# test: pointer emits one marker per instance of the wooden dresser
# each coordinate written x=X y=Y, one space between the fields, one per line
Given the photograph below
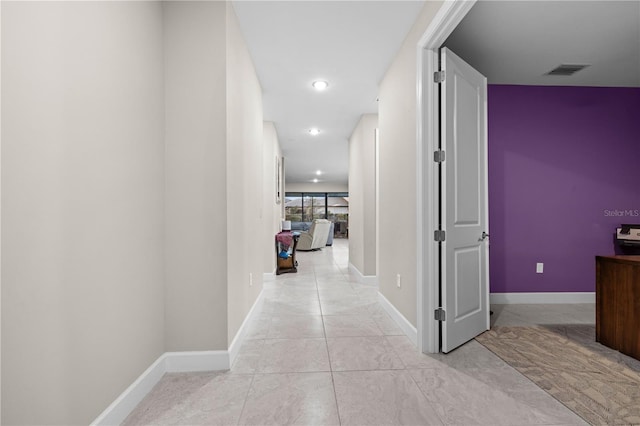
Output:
x=618 y=303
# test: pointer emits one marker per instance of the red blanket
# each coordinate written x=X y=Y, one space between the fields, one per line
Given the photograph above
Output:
x=285 y=238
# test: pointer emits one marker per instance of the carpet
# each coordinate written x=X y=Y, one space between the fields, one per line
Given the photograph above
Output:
x=597 y=383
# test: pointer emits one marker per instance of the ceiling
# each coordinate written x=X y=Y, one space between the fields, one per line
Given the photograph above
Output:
x=351 y=44
x=517 y=42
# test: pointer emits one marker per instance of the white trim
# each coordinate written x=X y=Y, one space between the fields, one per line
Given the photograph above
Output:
x=442 y=25
x=427 y=249
x=188 y=361
x=444 y=22
x=404 y=324
x=168 y=362
x=238 y=340
x=0 y=227
x=536 y=298
x=268 y=277
x=175 y=362
x=377 y=192
x=119 y=409
x=363 y=279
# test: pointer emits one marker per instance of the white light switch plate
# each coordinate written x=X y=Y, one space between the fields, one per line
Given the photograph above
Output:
x=539 y=268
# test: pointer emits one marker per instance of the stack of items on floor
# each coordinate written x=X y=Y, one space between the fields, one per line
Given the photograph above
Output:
x=286 y=242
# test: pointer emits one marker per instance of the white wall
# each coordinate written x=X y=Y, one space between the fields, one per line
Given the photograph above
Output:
x=272 y=211
x=132 y=176
x=0 y=215
x=214 y=179
x=362 y=198
x=244 y=178
x=315 y=187
x=397 y=162
x=82 y=205
x=132 y=183
x=196 y=179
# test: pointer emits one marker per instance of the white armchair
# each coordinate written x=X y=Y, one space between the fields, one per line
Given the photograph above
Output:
x=316 y=237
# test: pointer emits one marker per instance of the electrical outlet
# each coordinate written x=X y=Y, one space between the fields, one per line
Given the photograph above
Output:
x=399 y=280
x=539 y=268
x=250 y=278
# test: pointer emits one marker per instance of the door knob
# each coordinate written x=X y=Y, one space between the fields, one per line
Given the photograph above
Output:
x=484 y=236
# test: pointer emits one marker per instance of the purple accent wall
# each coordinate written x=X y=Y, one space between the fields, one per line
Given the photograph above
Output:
x=564 y=171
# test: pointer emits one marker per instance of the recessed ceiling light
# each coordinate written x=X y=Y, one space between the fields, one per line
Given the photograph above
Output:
x=314 y=131
x=320 y=85
x=315 y=181
x=319 y=172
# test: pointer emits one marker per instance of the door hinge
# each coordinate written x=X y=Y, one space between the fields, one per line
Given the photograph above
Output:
x=439 y=314
x=439 y=235
x=438 y=156
x=438 y=76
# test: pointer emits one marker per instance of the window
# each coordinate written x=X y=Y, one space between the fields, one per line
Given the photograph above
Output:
x=307 y=206
x=338 y=213
x=319 y=207
x=293 y=207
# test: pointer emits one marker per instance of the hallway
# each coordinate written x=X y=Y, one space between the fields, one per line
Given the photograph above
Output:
x=324 y=352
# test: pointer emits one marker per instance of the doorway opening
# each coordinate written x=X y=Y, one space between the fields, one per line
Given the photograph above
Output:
x=428 y=271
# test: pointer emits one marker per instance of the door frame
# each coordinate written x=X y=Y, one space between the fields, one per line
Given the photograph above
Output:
x=442 y=25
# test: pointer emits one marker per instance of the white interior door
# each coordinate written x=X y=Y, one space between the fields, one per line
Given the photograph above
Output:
x=464 y=252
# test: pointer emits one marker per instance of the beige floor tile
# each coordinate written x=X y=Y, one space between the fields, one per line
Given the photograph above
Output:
x=295 y=294
x=470 y=355
x=350 y=325
x=295 y=326
x=351 y=305
x=248 y=357
x=461 y=398
x=311 y=307
x=388 y=326
x=523 y=390
x=381 y=398
x=362 y=353
x=409 y=354
x=259 y=328
x=195 y=399
x=299 y=281
x=327 y=271
x=366 y=292
x=333 y=283
x=337 y=292
x=294 y=355
x=376 y=309
x=291 y=399
x=282 y=374
x=271 y=293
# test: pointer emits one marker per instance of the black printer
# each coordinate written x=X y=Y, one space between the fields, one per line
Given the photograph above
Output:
x=628 y=236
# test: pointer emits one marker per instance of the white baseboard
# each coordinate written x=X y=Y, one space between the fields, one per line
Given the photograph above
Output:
x=363 y=279
x=238 y=340
x=168 y=362
x=404 y=324
x=175 y=362
x=269 y=276
x=182 y=362
x=131 y=397
x=540 y=298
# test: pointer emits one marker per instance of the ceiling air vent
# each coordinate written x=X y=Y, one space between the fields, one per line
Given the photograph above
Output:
x=566 y=69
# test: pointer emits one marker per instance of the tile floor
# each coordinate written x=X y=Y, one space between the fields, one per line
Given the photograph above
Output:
x=324 y=352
